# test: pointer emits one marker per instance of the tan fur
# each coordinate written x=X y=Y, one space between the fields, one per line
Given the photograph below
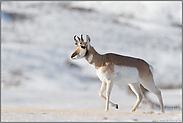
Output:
x=76 y=52
x=107 y=62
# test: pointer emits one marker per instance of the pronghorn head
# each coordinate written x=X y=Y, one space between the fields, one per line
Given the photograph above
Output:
x=82 y=47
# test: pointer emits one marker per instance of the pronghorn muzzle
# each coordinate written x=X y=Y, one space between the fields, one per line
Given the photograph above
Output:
x=74 y=54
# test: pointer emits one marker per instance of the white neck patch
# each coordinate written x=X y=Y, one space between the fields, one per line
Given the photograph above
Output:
x=90 y=58
x=88 y=46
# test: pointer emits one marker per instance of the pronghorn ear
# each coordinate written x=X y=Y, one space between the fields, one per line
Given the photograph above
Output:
x=87 y=42
x=87 y=38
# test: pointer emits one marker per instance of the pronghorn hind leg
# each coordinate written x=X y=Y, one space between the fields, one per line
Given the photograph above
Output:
x=150 y=85
x=136 y=89
x=102 y=89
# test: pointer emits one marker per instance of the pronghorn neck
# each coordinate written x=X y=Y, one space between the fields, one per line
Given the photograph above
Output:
x=94 y=58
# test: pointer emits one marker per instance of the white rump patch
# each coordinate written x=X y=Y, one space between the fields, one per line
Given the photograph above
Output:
x=90 y=58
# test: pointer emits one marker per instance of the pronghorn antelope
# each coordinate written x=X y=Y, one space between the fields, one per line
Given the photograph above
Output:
x=117 y=68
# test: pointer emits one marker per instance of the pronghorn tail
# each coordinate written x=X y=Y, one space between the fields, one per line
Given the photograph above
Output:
x=151 y=69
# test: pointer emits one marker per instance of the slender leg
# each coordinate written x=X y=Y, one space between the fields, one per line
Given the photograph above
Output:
x=108 y=92
x=136 y=89
x=158 y=94
x=102 y=89
x=149 y=84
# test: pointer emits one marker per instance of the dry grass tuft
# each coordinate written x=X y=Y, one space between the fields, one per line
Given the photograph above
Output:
x=104 y=118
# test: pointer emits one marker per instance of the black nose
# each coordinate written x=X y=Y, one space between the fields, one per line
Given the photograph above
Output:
x=73 y=55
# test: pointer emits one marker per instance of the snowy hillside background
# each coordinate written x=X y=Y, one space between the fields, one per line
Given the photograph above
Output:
x=37 y=40
x=38 y=74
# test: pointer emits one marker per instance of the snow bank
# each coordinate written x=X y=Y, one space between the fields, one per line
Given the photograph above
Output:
x=38 y=41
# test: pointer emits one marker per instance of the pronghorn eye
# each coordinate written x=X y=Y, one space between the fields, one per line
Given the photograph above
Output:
x=83 y=47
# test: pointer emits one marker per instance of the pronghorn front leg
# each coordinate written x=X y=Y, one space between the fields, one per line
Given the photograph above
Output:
x=108 y=92
x=102 y=89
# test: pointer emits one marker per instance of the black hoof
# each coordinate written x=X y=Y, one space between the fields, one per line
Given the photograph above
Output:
x=116 y=106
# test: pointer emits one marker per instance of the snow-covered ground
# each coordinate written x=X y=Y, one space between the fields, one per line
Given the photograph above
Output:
x=37 y=42
x=25 y=104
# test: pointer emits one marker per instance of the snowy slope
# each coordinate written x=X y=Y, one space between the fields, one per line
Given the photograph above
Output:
x=38 y=41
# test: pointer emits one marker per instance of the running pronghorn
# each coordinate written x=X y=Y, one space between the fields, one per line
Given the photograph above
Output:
x=117 y=68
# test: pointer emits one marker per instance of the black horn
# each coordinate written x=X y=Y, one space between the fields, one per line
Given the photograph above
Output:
x=79 y=39
x=75 y=39
x=82 y=38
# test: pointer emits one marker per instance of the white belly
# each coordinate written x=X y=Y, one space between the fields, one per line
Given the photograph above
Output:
x=123 y=75
x=126 y=75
